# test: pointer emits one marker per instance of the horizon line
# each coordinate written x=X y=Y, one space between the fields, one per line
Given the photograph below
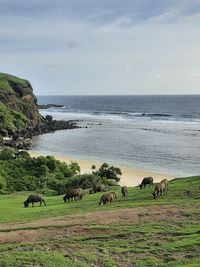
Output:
x=122 y=95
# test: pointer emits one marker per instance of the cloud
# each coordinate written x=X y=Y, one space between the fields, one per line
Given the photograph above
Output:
x=158 y=76
x=72 y=44
x=100 y=12
x=130 y=67
x=195 y=74
x=126 y=46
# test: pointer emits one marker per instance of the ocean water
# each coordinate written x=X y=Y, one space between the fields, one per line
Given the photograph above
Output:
x=158 y=133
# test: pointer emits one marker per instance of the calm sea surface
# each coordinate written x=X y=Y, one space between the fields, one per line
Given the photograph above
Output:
x=160 y=133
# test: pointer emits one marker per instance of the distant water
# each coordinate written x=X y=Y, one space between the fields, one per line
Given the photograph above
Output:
x=160 y=133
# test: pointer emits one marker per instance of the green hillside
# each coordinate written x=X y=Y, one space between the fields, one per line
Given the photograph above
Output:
x=7 y=80
x=18 y=109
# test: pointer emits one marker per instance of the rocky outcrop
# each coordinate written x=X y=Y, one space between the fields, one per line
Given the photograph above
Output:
x=19 y=115
x=18 y=103
x=47 y=106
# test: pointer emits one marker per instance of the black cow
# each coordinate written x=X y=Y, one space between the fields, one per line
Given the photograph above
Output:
x=146 y=181
x=33 y=199
x=73 y=194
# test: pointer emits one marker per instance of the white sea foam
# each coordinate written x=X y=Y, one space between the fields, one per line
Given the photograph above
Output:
x=65 y=114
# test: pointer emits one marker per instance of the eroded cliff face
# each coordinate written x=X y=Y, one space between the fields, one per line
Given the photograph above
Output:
x=18 y=105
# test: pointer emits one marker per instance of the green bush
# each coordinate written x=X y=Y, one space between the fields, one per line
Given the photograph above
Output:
x=7 y=153
x=86 y=181
x=3 y=184
x=109 y=172
x=20 y=172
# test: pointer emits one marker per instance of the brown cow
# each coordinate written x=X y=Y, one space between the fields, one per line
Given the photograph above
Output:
x=124 y=191
x=114 y=194
x=166 y=182
x=106 y=198
x=159 y=189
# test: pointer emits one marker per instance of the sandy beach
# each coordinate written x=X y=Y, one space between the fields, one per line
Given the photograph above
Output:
x=130 y=176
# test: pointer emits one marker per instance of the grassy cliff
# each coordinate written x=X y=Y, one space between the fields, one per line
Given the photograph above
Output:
x=18 y=104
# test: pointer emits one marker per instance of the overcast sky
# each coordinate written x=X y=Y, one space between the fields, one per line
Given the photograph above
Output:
x=102 y=46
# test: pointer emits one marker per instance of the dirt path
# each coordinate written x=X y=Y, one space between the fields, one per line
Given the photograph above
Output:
x=100 y=217
x=85 y=224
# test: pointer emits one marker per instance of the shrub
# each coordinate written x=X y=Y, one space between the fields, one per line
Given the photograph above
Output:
x=3 y=184
x=109 y=172
x=20 y=172
x=7 y=153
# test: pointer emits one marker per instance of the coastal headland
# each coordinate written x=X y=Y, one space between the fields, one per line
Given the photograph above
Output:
x=20 y=119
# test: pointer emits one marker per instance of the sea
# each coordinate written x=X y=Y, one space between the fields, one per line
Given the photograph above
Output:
x=157 y=133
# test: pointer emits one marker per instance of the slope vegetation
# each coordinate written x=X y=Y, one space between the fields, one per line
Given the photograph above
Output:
x=135 y=231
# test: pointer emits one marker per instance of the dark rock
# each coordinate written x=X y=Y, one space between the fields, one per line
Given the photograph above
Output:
x=46 y=106
x=15 y=136
x=3 y=132
x=49 y=118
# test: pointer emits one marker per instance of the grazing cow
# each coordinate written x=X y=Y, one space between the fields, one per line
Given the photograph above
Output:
x=166 y=182
x=33 y=199
x=159 y=189
x=124 y=191
x=73 y=194
x=106 y=198
x=114 y=196
x=97 y=188
x=146 y=181
x=79 y=193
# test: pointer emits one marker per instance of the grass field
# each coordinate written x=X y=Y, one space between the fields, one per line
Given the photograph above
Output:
x=135 y=231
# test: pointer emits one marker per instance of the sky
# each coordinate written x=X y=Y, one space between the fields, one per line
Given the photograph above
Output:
x=102 y=47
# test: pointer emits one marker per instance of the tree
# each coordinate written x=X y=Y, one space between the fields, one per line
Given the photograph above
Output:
x=93 y=168
x=75 y=167
x=22 y=154
x=7 y=154
x=109 y=172
x=51 y=163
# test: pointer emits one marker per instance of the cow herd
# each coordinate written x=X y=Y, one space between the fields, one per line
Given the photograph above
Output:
x=74 y=194
x=159 y=189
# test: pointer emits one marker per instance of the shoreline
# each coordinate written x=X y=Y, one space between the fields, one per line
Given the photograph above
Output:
x=130 y=176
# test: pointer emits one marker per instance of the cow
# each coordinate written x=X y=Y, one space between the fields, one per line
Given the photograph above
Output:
x=159 y=189
x=166 y=182
x=114 y=195
x=124 y=191
x=79 y=193
x=106 y=198
x=33 y=199
x=97 y=188
x=73 y=194
x=146 y=181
